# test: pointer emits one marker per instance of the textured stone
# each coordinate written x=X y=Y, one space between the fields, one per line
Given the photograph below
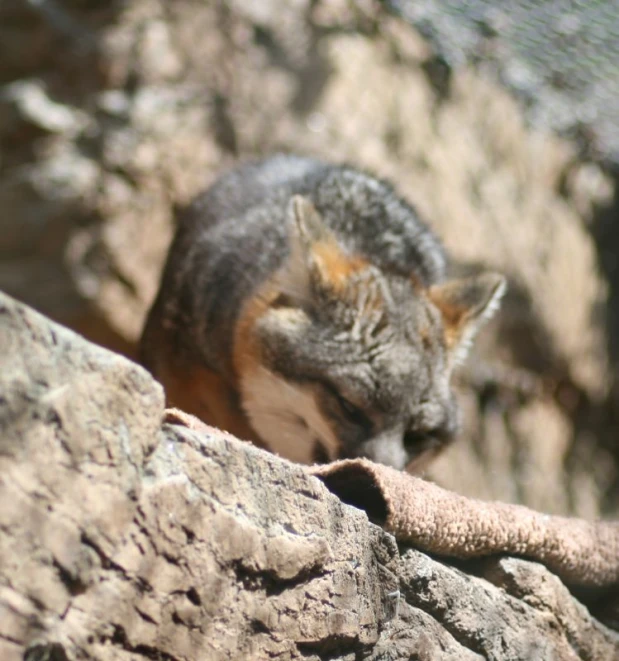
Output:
x=123 y=538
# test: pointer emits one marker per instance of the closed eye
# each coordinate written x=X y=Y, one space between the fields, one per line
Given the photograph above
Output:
x=351 y=411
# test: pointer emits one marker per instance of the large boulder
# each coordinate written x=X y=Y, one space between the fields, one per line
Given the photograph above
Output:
x=126 y=537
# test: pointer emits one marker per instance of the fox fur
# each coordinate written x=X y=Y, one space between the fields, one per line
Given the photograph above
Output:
x=304 y=307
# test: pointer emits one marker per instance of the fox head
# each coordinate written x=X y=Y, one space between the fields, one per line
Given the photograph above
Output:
x=337 y=358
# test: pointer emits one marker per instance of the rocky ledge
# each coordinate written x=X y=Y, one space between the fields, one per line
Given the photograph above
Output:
x=127 y=537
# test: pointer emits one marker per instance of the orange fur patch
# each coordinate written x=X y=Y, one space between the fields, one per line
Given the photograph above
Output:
x=453 y=318
x=335 y=266
x=245 y=350
x=194 y=388
x=208 y=396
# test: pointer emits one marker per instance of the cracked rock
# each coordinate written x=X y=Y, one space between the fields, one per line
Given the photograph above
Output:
x=124 y=537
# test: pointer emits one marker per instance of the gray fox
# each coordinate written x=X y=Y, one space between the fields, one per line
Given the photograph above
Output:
x=303 y=307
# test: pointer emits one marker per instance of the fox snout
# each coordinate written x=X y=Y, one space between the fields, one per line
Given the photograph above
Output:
x=400 y=450
x=386 y=448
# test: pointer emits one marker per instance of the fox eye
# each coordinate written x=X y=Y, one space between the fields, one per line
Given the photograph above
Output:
x=348 y=407
x=350 y=410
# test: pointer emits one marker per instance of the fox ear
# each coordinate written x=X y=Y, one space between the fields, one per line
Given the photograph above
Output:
x=317 y=259
x=466 y=305
x=305 y=224
x=305 y=228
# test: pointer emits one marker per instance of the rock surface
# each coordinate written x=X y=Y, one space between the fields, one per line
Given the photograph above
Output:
x=113 y=112
x=559 y=58
x=125 y=538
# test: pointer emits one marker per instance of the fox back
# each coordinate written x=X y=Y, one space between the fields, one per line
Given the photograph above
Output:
x=303 y=306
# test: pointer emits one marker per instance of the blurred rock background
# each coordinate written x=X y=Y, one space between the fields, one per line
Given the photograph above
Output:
x=114 y=112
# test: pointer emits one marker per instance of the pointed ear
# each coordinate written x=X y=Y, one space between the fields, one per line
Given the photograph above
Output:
x=304 y=227
x=305 y=224
x=316 y=257
x=466 y=305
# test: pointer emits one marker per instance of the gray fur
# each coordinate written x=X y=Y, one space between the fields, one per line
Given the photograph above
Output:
x=389 y=359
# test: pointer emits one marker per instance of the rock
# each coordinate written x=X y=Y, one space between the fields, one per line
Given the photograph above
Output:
x=556 y=58
x=123 y=537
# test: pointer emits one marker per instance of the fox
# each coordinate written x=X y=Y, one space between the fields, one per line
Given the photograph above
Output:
x=304 y=306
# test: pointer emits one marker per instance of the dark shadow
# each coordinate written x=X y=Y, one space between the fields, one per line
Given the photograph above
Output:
x=355 y=486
